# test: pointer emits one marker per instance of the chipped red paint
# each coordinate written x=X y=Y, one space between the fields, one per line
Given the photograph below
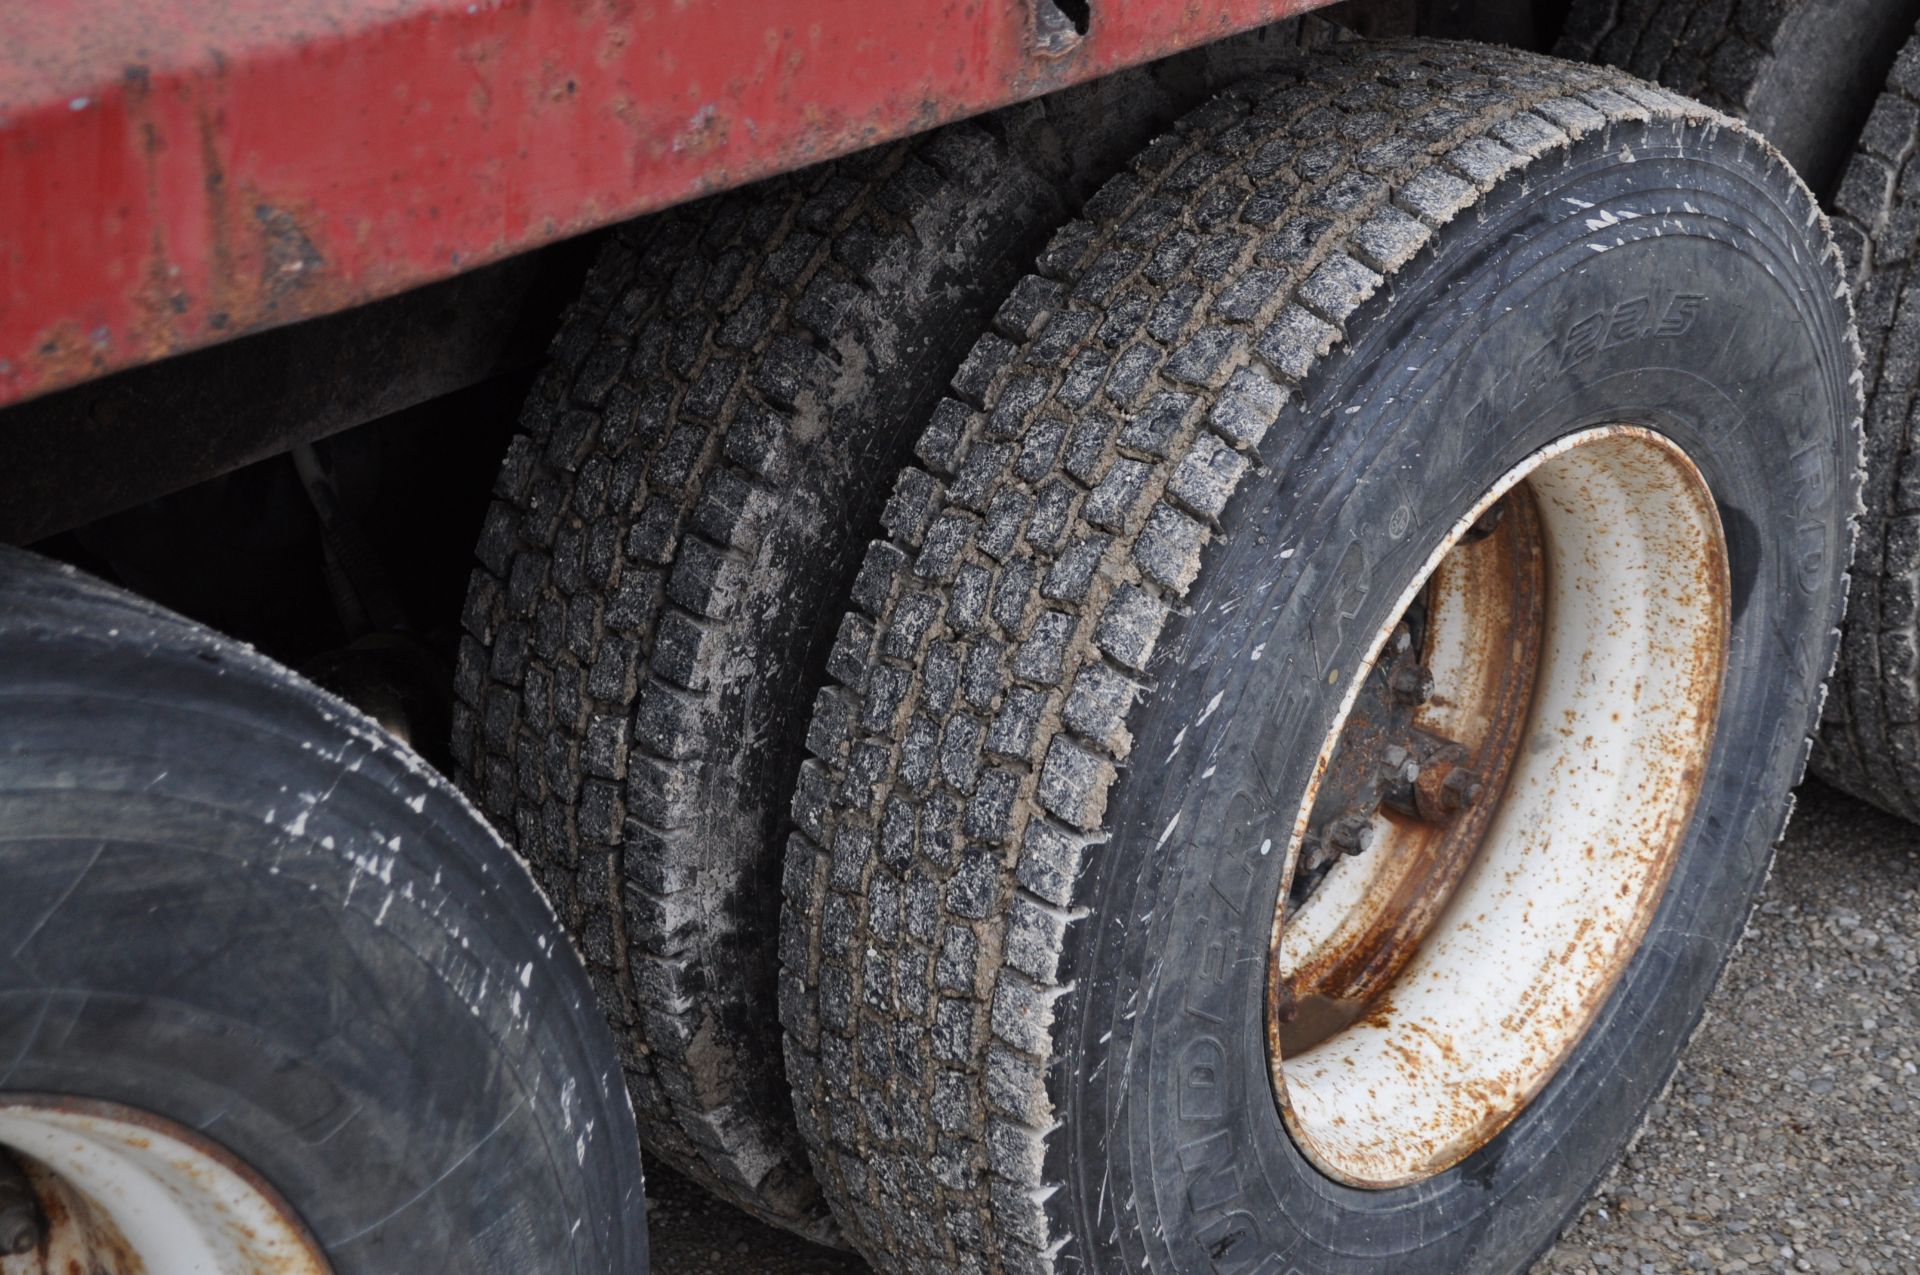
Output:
x=177 y=172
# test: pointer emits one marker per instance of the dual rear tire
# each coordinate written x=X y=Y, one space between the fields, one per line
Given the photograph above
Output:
x=1061 y=786
x=1836 y=87
x=660 y=573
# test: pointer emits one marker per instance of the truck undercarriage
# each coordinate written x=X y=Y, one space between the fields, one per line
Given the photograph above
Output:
x=1023 y=637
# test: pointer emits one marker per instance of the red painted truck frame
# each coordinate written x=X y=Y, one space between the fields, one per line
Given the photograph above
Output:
x=177 y=174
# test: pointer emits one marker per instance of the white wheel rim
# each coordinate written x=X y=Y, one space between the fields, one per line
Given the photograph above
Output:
x=122 y=1191
x=1576 y=856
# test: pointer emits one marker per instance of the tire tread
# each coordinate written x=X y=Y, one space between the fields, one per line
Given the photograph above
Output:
x=695 y=460
x=678 y=388
x=921 y=1052
x=1869 y=742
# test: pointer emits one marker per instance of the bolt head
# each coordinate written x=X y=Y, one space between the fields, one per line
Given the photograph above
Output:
x=1410 y=683
x=1351 y=833
x=1462 y=789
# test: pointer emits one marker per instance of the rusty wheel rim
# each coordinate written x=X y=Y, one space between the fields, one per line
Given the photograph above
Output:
x=1497 y=808
x=101 y=1187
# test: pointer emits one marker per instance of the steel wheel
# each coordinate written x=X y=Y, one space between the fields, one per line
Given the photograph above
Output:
x=1498 y=808
x=98 y=1187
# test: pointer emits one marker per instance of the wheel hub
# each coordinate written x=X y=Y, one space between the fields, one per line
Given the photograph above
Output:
x=1414 y=764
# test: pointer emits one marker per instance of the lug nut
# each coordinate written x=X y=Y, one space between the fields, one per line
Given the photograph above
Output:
x=1462 y=789
x=1285 y=1007
x=1351 y=833
x=1410 y=683
x=19 y=1231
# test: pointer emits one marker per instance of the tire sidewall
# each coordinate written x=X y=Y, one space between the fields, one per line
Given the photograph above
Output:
x=236 y=904
x=1469 y=361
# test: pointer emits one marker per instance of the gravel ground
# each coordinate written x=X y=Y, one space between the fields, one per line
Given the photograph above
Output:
x=1789 y=1141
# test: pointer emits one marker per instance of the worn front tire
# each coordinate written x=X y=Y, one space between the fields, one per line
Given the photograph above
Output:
x=233 y=902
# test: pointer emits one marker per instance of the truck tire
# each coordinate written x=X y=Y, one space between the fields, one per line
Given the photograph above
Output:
x=685 y=486
x=1803 y=73
x=1870 y=741
x=238 y=913
x=675 y=530
x=1061 y=809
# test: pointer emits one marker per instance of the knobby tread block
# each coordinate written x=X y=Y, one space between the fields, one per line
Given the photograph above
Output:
x=1712 y=51
x=920 y=983
x=1803 y=73
x=1869 y=743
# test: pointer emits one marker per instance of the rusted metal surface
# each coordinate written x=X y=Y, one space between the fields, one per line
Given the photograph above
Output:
x=1443 y=1031
x=1433 y=759
x=176 y=174
x=77 y=1236
x=125 y=1192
